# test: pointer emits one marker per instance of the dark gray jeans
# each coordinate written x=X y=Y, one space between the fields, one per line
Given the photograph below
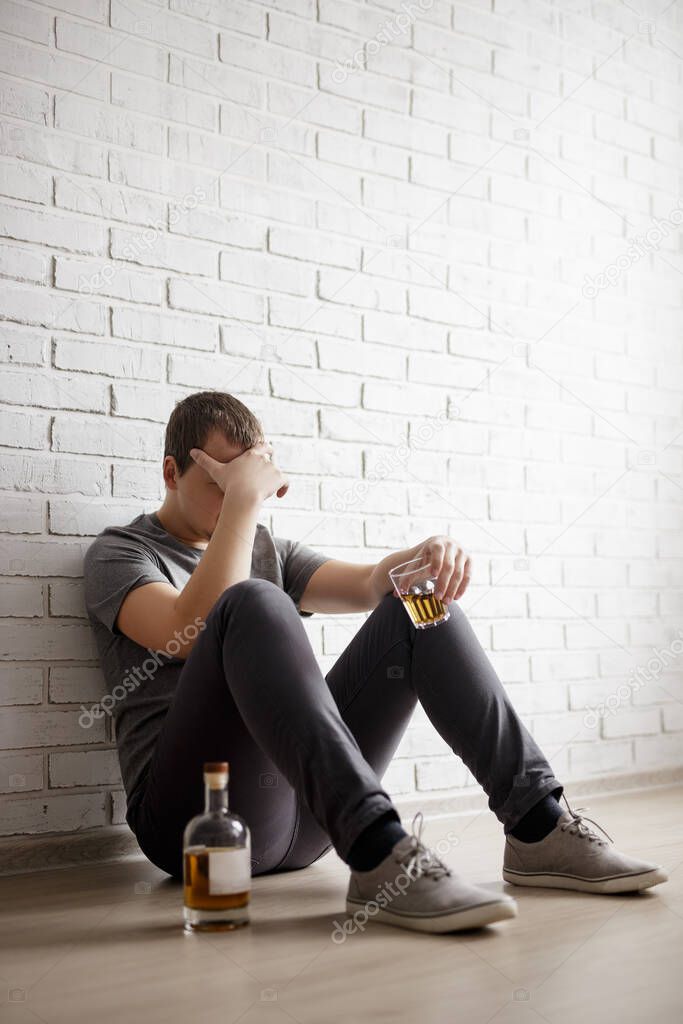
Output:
x=306 y=751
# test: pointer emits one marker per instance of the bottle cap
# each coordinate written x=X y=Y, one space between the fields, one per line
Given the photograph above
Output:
x=216 y=774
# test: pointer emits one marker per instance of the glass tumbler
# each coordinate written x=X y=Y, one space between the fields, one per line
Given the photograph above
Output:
x=415 y=585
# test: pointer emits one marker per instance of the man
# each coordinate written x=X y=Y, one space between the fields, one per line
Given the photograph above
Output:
x=218 y=599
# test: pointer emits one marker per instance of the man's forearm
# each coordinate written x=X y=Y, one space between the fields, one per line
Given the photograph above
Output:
x=379 y=577
x=226 y=559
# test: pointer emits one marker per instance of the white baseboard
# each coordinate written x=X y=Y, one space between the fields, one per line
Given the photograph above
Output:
x=23 y=854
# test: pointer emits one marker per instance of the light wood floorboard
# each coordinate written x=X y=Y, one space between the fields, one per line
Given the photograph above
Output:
x=105 y=943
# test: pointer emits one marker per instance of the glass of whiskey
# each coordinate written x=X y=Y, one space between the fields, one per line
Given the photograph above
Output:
x=415 y=585
x=216 y=860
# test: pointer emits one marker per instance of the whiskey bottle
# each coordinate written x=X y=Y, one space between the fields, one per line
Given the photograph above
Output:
x=216 y=860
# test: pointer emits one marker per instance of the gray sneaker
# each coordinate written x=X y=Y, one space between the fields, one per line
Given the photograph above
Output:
x=413 y=888
x=573 y=856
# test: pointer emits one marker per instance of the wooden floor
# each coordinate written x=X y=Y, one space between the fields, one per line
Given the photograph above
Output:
x=105 y=943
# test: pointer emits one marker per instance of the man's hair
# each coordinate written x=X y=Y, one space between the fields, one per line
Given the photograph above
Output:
x=194 y=417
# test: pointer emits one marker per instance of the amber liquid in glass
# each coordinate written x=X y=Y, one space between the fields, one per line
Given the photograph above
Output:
x=197 y=895
x=424 y=608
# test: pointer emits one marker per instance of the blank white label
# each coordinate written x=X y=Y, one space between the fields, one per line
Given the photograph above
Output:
x=229 y=871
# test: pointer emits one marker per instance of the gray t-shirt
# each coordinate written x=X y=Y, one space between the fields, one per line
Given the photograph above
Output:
x=141 y=682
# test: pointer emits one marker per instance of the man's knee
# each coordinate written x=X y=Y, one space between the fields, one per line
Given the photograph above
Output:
x=249 y=594
x=392 y=605
x=390 y=601
x=249 y=589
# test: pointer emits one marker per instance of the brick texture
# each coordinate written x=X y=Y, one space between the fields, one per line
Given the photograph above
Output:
x=436 y=247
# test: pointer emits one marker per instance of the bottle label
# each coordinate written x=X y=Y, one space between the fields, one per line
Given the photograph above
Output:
x=229 y=871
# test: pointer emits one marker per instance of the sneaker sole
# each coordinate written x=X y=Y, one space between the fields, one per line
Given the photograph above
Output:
x=618 y=883
x=452 y=921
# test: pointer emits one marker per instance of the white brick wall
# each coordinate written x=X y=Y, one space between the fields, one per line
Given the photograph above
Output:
x=355 y=216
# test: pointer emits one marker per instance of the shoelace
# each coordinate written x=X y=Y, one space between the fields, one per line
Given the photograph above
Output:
x=578 y=825
x=419 y=859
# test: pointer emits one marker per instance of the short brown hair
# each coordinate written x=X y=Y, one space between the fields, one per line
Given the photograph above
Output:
x=195 y=416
